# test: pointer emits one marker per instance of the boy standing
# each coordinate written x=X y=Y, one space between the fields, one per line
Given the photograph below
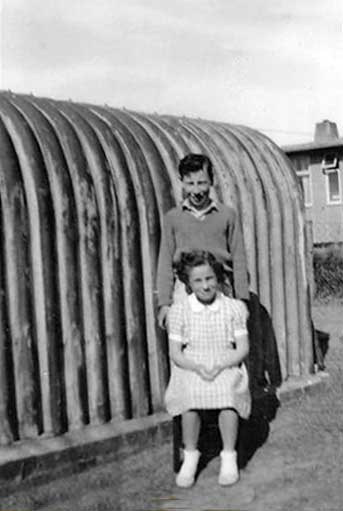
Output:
x=200 y=223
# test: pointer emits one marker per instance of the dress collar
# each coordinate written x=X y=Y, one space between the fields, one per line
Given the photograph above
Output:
x=197 y=306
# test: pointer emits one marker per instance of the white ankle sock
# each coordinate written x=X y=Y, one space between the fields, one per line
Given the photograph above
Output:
x=185 y=478
x=228 y=468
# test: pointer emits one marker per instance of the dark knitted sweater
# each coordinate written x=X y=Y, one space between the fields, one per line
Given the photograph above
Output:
x=218 y=232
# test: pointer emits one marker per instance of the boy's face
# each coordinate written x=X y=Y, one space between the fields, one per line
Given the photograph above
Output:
x=196 y=188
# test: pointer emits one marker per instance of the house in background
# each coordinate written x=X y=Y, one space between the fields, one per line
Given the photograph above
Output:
x=319 y=167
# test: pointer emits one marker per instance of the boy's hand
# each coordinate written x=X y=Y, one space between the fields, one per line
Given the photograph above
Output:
x=162 y=316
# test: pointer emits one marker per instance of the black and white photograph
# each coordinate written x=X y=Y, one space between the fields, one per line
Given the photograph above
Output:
x=171 y=255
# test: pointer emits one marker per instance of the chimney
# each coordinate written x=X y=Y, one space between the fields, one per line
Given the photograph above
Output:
x=325 y=131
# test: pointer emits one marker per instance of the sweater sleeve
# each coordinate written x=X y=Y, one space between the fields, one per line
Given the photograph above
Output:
x=239 y=262
x=165 y=276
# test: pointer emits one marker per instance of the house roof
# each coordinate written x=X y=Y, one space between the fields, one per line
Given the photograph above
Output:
x=311 y=146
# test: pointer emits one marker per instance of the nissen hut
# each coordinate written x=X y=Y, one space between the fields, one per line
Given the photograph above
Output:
x=83 y=189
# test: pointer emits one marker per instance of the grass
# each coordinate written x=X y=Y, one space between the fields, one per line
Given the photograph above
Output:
x=328 y=272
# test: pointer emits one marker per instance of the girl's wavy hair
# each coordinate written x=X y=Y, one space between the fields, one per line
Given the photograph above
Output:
x=189 y=260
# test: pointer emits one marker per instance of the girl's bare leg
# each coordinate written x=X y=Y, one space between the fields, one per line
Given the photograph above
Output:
x=190 y=429
x=190 y=434
x=228 y=426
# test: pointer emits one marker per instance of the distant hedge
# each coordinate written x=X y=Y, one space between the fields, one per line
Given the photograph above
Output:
x=328 y=271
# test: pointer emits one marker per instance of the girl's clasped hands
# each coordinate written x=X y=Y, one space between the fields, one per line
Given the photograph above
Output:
x=209 y=373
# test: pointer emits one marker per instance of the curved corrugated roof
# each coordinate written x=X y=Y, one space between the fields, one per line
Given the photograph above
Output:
x=83 y=190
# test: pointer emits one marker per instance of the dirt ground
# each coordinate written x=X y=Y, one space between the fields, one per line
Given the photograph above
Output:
x=299 y=467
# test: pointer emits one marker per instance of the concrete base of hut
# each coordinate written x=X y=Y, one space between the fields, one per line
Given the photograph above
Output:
x=44 y=459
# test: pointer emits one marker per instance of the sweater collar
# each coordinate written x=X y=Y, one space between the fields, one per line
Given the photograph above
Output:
x=186 y=205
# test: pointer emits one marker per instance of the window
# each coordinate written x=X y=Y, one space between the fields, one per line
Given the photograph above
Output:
x=301 y=162
x=333 y=186
x=305 y=180
x=306 y=185
x=330 y=161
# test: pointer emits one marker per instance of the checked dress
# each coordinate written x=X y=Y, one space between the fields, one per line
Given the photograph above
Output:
x=207 y=333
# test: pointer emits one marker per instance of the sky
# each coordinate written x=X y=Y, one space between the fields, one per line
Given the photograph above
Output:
x=273 y=65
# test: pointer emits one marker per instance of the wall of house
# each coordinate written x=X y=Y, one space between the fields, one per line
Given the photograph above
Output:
x=327 y=218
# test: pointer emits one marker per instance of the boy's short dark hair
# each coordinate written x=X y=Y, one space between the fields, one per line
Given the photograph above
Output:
x=189 y=260
x=195 y=162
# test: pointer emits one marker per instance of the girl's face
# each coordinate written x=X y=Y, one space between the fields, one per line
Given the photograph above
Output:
x=203 y=282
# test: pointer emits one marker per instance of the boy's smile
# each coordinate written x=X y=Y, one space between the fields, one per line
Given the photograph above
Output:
x=196 y=187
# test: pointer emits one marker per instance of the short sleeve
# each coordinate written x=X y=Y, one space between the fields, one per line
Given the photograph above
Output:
x=240 y=318
x=176 y=324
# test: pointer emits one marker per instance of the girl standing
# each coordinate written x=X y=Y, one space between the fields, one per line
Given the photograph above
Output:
x=208 y=342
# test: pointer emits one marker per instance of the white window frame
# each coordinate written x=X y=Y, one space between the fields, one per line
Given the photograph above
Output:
x=330 y=164
x=327 y=172
x=306 y=173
